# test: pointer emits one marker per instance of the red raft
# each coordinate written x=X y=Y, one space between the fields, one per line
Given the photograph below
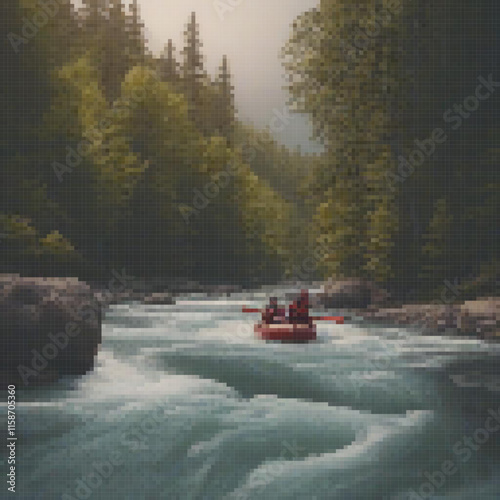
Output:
x=286 y=332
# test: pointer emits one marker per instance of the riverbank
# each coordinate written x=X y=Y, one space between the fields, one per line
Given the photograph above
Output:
x=157 y=291
x=52 y=326
x=363 y=299
x=356 y=298
x=479 y=318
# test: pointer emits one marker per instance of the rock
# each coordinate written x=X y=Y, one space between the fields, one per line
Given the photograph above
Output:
x=479 y=317
x=443 y=318
x=493 y=336
x=351 y=294
x=217 y=290
x=482 y=316
x=466 y=323
x=159 y=298
x=50 y=327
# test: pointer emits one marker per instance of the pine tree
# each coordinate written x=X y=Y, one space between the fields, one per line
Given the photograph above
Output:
x=115 y=62
x=93 y=12
x=136 y=46
x=193 y=61
x=193 y=72
x=224 y=105
x=169 y=68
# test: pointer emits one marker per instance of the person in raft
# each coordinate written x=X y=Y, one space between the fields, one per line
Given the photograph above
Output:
x=298 y=312
x=270 y=312
x=273 y=313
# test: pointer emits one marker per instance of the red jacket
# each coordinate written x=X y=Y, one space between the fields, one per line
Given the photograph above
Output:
x=299 y=312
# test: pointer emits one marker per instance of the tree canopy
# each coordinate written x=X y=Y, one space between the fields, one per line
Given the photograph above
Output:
x=114 y=157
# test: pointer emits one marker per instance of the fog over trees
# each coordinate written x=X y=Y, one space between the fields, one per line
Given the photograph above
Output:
x=118 y=151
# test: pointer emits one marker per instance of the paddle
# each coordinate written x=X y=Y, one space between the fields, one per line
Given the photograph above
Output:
x=338 y=319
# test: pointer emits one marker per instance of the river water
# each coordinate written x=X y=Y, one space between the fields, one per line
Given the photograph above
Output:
x=185 y=403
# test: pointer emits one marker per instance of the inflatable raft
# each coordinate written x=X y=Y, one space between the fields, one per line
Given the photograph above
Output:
x=286 y=332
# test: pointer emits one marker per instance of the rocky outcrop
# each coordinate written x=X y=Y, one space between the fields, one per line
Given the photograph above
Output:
x=49 y=326
x=351 y=294
x=431 y=317
x=365 y=299
x=479 y=318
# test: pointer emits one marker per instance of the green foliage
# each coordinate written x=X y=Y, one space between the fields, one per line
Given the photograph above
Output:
x=348 y=97
x=374 y=78
x=23 y=249
x=115 y=40
x=168 y=67
x=285 y=170
x=265 y=218
x=137 y=161
x=18 y=234
x=382 y=225
x=55 y=243
x=81 y=110
x=436 y=249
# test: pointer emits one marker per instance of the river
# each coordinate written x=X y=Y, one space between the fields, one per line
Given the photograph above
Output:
x=185 y=403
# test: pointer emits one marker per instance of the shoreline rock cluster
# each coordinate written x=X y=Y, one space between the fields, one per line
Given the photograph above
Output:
x=479 y=318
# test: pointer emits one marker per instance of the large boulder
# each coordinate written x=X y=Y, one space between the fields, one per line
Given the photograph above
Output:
x=353 y=293
x=50 y=327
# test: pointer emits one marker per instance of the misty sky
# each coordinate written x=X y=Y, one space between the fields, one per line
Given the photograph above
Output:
x=251 y=35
